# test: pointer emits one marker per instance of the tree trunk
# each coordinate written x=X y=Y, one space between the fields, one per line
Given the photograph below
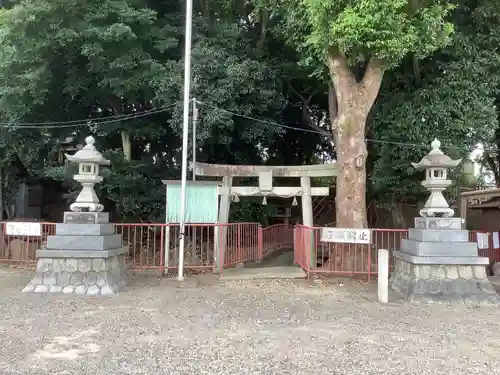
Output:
x=117 y=106
x=351 y=178
x=397 y=213
x=1 y=195
x=264 y=19
x=127 y=145
x=354 y=102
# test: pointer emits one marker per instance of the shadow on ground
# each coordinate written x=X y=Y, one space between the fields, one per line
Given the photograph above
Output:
x=204 y=326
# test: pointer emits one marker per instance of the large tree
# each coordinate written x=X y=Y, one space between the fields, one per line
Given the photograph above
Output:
x=63 y=60
x=358 y=41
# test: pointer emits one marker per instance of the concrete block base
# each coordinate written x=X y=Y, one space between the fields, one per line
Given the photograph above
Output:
x=443 y=283
x=83 y=276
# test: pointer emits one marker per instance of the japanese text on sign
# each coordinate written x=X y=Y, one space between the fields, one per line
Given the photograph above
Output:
x=23 y=229
x=346 y=235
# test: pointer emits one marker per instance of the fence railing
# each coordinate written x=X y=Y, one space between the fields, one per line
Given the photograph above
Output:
x=156 y=246
x=243 y=243
x=22 y=249
x=147 y=244
x=490 y=252
x=276 y=237
x=317 y=257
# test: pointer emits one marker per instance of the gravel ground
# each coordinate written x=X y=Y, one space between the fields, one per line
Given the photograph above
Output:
x=271 y=327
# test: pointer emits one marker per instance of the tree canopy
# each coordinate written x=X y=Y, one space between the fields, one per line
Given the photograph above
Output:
x=281 y=83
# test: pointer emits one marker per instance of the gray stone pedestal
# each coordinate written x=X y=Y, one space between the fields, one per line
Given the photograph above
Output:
x=84 y=257
x=438 y=264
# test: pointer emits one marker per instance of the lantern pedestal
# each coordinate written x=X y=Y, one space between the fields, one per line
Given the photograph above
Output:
x=437 y=263
x=440 y=265
x=82 y=258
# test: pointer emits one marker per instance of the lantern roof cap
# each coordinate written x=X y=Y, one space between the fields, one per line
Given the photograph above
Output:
x=88 y=154
x=436 y=158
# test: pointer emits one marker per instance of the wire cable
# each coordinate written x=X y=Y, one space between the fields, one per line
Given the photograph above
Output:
x=118 y=118
x=370 y=140
x=86 y=122
x=275 y=124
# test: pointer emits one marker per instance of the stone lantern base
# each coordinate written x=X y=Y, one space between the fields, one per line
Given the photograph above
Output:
x=443 y=284
x=440 y=265
x=84 y=257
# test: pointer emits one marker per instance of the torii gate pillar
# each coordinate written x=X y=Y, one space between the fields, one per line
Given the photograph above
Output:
x=265 y=189
x=307 y=208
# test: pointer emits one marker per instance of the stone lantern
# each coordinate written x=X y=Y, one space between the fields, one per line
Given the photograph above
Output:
x=85 y=256
x=436 y=263
x=88 y=160
x=436 y=164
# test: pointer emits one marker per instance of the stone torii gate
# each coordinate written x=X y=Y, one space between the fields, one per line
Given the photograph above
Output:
x=266 y=188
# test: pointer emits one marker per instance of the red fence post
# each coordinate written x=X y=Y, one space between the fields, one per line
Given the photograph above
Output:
x=370 y=261
x=260 y=243
x=219 y=246
x=311 y=242
x=162 y=249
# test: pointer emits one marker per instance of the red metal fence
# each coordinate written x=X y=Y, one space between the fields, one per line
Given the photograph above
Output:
x=147 y=244
x=317 y=257
x=275 y=237
x=256 y=243
x=490 y=252
x=22 y=249
x=243 y=242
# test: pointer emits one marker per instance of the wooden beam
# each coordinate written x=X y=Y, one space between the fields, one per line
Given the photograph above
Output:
x=478 y=194
x=487 y=204
x=221 y=170
x=467 y=196
x=278 y=191
x=189 y=182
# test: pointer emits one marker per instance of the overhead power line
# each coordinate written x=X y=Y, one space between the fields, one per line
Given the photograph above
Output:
x=370 y=140
x=120 y=118
x=86 y=121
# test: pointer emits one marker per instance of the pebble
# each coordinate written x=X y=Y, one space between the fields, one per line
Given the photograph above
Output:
x=241 y=327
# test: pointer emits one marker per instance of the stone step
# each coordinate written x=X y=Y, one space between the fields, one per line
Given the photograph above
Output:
x=84 y=229
x=437 y=248
x=107 y=242
x=282 y=273
x=76 y=254
x=443 y=260
x=438 y=235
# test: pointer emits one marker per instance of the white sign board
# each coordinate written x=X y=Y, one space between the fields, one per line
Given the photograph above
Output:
x=346 y=235
x=23 y=229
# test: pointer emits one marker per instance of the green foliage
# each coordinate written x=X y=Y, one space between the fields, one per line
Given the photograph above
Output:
x=455 y=102
x=386 y=30
x=251 y=210
x=134 y=189
x=62 y=60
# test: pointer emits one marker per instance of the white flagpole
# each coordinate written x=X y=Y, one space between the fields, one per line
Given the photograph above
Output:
x=185 y=132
